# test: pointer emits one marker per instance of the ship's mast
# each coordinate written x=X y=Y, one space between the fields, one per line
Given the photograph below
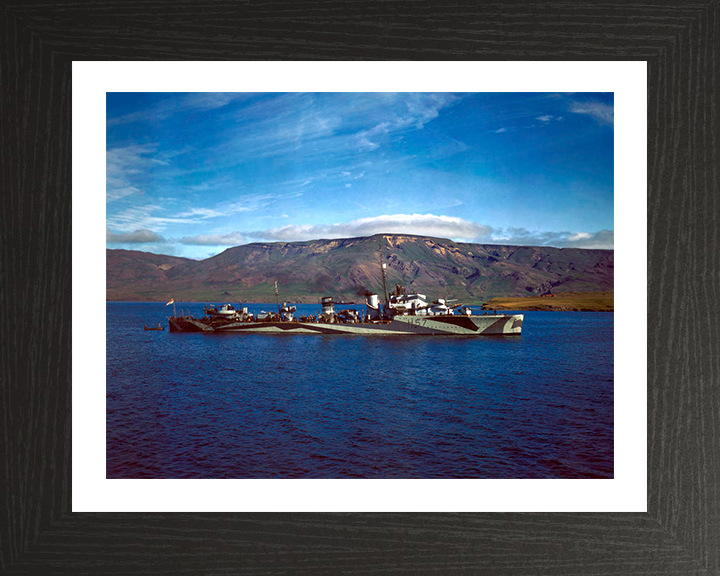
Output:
x=277 y=296
x=382 y=270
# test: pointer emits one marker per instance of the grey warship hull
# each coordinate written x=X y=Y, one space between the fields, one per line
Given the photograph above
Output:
x=448 y=325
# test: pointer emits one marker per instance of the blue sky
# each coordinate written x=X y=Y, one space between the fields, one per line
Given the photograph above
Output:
x=192 y=174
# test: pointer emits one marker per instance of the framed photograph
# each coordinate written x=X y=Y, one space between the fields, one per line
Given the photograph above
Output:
x=630 y=491
x=356 y=190
x=328 y=217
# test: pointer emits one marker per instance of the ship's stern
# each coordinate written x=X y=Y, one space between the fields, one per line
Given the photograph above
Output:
x=185 y=324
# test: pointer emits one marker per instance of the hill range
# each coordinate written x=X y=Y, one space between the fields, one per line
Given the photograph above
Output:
x=349 y=268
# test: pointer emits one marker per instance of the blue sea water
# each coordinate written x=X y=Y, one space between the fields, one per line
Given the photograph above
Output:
x=327 y=406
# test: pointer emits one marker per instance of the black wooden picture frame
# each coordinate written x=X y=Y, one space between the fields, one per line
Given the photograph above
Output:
x=681 y=530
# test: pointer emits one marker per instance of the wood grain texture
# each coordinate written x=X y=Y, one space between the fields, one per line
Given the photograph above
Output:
x=681 y=531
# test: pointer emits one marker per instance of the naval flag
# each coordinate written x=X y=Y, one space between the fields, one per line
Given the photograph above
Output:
x=172 y=301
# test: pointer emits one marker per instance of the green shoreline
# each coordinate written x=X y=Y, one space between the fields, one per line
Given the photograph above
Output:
x=570 y=302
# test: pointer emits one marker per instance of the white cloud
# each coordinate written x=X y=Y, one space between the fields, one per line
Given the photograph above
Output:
x=149 y=216
x=455 y=228
x=121 y=165
x=500 y=130
x=365 y=137
x=162 y=110
x=253 y=202
x=348 y=124
x=603 y=239
x=121 y=191
x=128 y=167
x=579 y=236
x=141 y=217
x=201 y=212
x=209 y=100
x=276 y=125
x=141 y=236
x=419 y=224
x=423 y=108
x=231 y=239
x=603 y=113
x=548 y=118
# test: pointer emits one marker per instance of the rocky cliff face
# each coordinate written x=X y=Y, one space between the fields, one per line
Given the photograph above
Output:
x=347 y=268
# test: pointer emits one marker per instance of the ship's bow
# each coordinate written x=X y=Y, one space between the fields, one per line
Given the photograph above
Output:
x=506 y=324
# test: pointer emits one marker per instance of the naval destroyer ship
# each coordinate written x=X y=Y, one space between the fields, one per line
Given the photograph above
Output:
x=402 y=314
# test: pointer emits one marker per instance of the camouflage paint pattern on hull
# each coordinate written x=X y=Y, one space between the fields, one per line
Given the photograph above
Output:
x=489 y=325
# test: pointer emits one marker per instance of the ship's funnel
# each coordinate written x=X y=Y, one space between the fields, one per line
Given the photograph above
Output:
x=373 y=306
x=327 y=305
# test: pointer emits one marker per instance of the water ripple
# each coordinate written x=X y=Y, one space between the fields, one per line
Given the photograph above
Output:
x=318 y=406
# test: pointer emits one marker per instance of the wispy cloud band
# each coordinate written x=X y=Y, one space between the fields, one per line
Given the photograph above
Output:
x=231 y=239
x=440 y=226
x=142 y=236
x=421 y=224
x=603 y=113
x=601 y=240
